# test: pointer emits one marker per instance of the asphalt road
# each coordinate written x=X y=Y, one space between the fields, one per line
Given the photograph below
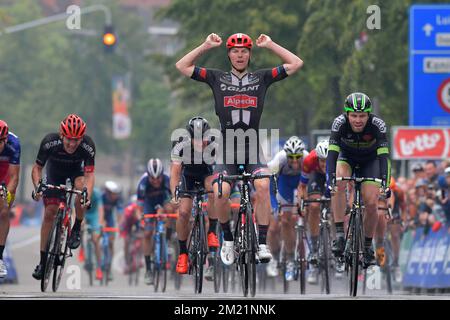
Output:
x=24 y=245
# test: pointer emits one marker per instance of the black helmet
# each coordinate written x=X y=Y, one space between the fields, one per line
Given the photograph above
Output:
x=358 y=102
x=197 y=123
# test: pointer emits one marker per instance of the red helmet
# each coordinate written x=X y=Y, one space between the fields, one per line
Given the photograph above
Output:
x=73 y=127
x=3 y=129
x=239 y=40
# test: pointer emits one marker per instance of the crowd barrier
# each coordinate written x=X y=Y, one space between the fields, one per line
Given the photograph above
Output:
x=425 y=258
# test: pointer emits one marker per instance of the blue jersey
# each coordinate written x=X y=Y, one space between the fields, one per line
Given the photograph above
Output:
x=9 y=155
x=149 y=197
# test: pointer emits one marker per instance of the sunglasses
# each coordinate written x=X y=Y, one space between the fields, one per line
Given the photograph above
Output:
x=295 y=156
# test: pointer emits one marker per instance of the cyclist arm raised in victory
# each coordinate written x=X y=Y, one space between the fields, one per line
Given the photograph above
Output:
x=292 y=63
x=186 y=64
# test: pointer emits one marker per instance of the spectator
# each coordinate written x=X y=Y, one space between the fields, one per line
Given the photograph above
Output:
x=444 y=196
x=431 y=173
x=418 y=172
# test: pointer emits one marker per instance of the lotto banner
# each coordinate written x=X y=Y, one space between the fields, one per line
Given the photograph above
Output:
x=420 y=143
x=121 y=101
x=429 y=260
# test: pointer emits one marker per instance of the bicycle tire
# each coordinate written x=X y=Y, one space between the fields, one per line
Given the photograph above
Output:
x=252 y=252
x=217 y=266
x=157 y=265
x=325 y=259
x=163 y=265
x=302 y=260
x=89 y=265
x=49 y=261
x=354 y=266
x=240 y=243
x=225 y=277
x=387 y=267
x=60 y=260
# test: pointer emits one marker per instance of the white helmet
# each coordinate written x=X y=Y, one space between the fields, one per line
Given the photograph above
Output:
x=112 y=187
x=133 y=198
x=322 y=149
x=155 y=168
x=294 y=145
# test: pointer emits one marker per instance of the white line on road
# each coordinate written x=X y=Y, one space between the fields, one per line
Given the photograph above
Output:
x=25 y=243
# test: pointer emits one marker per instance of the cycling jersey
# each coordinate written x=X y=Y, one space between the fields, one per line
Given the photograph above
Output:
x=60 y=162
x=109 y=205
x=92 y=215
x=315 y=177
x=129 y=219
x=9 y=155
x=150 y=197
x=288 y=177
x=62 y=165
x=363 y=148
x=239 y=101
x=194 y=162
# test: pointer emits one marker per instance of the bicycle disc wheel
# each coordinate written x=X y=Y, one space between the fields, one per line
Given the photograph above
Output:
x=354 y=266
x=60 y=259
x=50 y=249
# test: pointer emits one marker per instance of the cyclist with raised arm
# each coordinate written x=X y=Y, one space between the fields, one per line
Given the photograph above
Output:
x=239 y=100
x=153 y=193
x=9 y=176
x=185 y=171
x=358 y=137
x=314 y=167
x=113 y=209
x=69 y=154
x=288 y=165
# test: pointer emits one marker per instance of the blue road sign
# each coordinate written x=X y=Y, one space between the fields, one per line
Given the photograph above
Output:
x=429 y=65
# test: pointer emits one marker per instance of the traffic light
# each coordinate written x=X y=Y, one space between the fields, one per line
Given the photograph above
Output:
x=109 y=39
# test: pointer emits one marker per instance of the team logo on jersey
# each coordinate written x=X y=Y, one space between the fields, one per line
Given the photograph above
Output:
x=224 y=87
x=338 y=122
x=367 y=137
x=380 y=124
x=240 y=101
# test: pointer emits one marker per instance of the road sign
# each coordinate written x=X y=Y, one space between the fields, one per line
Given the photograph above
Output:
x=429 y=65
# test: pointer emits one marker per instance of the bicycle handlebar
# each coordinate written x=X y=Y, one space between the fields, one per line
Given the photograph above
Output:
x=306 y=202
x=359 y=179
x=243 y=177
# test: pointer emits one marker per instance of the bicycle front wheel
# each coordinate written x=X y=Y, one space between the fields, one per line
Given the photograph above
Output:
x=251 y=251
x=50 y=249
x=301 y=259
x=60 y=259
x=325 y=257
x=354 y=265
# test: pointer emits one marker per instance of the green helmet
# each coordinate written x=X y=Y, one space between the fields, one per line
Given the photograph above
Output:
x=357 y=102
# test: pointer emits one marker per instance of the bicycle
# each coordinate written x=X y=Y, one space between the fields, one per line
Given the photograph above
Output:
x=135 y=255
x=387 y=267
x=354 y=239
x=300 y=260
x=90 y=254
x=106 y=253
x=324 y=257
x=197 y=244
x=57 y=245
x=160 y=249
x=245 y=234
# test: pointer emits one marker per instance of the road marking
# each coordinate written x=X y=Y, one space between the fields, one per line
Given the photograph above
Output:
x=25 y=243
